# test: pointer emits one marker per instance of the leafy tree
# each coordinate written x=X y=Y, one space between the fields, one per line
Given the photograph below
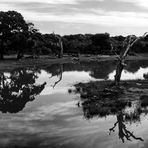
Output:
x=76 y=44
x=102 y=41
x=11 y=23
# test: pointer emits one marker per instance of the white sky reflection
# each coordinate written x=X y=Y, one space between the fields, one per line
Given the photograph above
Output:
x=129 y=75
x=68 y=79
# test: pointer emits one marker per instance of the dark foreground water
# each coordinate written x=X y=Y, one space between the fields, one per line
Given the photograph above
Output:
x=37 y=109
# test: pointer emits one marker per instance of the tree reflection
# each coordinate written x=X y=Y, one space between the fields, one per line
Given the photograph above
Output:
x=60 y=75
x=17 y=88
x=123 y=133
x=101 y=101
x=97 y=70
x=56 y=70
x=134 y=66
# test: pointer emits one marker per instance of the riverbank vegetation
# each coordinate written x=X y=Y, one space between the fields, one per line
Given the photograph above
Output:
x=21 y=38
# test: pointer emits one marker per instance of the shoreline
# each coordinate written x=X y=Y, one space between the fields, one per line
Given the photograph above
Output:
x=10 y=64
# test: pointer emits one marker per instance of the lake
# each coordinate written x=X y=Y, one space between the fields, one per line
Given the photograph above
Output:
x=38 y=109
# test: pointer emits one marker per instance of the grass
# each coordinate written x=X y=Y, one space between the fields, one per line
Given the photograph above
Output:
x=102 y=98
x=10 y=63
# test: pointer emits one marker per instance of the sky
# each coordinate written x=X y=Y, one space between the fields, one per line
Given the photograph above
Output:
x=117 y=17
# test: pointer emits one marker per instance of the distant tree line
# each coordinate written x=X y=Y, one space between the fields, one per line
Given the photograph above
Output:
x=19 y=37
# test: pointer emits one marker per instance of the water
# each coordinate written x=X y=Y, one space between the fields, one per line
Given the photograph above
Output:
x=37 y=110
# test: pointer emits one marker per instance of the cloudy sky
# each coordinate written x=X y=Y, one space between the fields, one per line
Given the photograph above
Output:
x=83 y=16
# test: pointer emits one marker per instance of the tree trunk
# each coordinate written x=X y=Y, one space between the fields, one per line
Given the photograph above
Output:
x=121 y=59
x=61 y=48
x=119 y=70
x=2 y=50
x=121 y=64
x=60 y=44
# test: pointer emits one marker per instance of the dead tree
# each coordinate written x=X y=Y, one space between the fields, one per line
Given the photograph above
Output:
x=123 y=132
x=128 y=44
x=60 y=44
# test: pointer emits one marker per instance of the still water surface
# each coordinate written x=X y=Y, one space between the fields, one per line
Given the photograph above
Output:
x=38 y=111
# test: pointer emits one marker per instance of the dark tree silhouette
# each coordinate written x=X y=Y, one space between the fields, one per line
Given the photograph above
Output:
x=59 y=45
x=11 y=23
x=18 y=89
x=127 y=45
x=123 y=133
x=19 y=44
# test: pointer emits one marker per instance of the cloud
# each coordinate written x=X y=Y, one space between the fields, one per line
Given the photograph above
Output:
x=141 y=3
x=57 y=2
x=100 y=13
x=40 y=1
x=120 y=19
x=92 y=16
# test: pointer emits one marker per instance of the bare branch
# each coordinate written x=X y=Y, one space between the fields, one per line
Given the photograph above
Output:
x=57 y=81
x=128 y=44
x=112 y=129
x=60 y=78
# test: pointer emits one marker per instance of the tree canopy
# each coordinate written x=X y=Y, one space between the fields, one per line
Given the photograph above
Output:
x=11 y=23
x=18 y=36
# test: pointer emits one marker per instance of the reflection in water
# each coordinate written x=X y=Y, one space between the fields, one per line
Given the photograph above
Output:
x=54 y=120
x=18 y=88
x=123 y=132
x=139 y=74
x=97 y=70
x=100 y=70
x=133 y=66
x=60 y=75
x=97 y=102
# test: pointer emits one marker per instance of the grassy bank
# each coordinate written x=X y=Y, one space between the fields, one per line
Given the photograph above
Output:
x=11 y=62
x=103 y=98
